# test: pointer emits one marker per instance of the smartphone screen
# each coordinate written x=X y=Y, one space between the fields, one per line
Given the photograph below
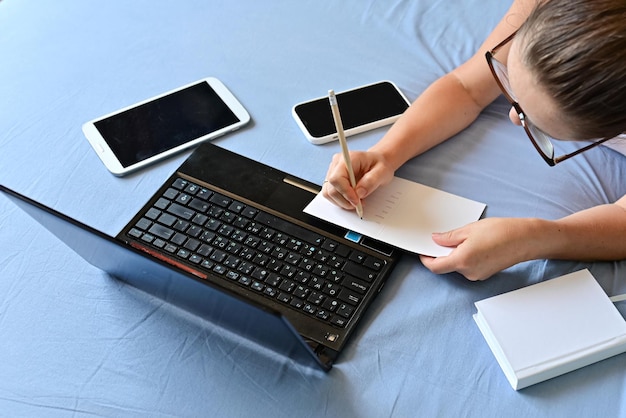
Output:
x=165 y=123
x=361 y=106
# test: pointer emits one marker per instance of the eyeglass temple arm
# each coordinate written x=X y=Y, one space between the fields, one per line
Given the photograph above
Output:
x=578 y=151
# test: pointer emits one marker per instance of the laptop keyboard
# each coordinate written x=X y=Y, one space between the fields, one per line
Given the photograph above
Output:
x=292 y=265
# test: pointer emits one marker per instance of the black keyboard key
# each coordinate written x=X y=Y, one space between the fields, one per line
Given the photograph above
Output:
x=207 y=264
x=183 y=199
x=357 y=285
x=342 y=251
x=179 y=239
x=167 y=219
x=199 y=205
x=322 y=314
x=161 y=231
x=220 y=269
x=162 y=203
x=153 y=213
x=330 y=245
x=232 y=262
x=331 y=289
x=350 y=297
x=183 y=253
x=205 y=250
x=194 y=231
x=218 y=256
x=249 y=212
x=170 y=194
x=258 y=286
x=334 y=276
x=208 y=236
x=301 y=292
x=215 y=211
x=241 y=222
x=245 y=267
x=239 y=235
x=228 y=217
x=212 y=224
x=316 y=283
x=345 y=310
x=297 y=303
x=192 y=189
x=245 y=280
x=359 y=271
x=373 y=263
x=200 y=219
x=339 y=321
x=284 y=297
x=226 y=230
x=192 y=244
x=147 y=238
x=357 y=257
x=260 y=274
x=143 y=224
x=270 y=291
x=330 y=304
x=220 y=200
x=180 y=184
x=236 y=207
x=336 y=262
x=181 y=211
x=204 y=193
x=180 y=225
x=287 y=286
x=316 y=298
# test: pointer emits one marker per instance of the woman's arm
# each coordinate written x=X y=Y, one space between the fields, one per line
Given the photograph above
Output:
x=445 y=108
x=490 y=245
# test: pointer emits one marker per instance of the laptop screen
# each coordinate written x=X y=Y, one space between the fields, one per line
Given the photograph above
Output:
x=260 y=325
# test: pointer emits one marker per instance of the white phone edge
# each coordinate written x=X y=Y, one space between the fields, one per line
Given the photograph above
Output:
x=112 y=163
x=348 y=132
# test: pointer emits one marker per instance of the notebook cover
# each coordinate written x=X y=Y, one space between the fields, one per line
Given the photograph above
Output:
x=550 y=328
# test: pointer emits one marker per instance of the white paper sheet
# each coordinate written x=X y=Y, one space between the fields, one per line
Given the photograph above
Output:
x=403 y=214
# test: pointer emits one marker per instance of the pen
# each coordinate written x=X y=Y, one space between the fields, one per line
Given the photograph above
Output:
x=344 y=145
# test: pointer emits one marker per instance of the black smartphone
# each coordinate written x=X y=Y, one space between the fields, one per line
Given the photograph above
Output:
x=362 y=108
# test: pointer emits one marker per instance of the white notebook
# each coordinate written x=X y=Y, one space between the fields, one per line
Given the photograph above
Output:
x=551 y=328
x=404 y=214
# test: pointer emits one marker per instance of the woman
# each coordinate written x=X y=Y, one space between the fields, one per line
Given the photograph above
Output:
x=561 y=65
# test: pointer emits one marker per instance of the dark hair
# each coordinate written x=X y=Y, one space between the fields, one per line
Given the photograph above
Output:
x=576 y=49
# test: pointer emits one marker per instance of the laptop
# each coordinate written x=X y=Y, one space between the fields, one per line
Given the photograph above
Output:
x=225 y=238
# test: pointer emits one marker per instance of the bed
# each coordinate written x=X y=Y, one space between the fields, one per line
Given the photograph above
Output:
x=76 y=342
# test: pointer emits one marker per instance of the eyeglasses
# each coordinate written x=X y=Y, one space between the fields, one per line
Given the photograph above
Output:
x=542 y=141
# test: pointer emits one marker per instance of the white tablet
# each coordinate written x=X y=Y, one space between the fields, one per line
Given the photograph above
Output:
x=143 y=133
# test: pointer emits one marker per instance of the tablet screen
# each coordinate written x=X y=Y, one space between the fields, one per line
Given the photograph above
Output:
x=165 y=123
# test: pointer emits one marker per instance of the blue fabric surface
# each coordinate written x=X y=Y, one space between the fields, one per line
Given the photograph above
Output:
x=76 y=342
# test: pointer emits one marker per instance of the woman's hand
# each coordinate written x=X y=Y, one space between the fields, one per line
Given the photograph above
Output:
x=484 y=248
x=370 y=171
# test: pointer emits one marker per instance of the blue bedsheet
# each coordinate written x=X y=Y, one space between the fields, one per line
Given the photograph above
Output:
x=75 y=342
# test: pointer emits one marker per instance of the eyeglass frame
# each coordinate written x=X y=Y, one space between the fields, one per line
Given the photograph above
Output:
x=550 y=160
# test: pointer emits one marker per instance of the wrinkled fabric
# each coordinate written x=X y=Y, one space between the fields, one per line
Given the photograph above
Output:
x=76 y=342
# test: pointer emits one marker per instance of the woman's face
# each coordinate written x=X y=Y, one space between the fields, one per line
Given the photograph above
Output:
x=537 y=105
